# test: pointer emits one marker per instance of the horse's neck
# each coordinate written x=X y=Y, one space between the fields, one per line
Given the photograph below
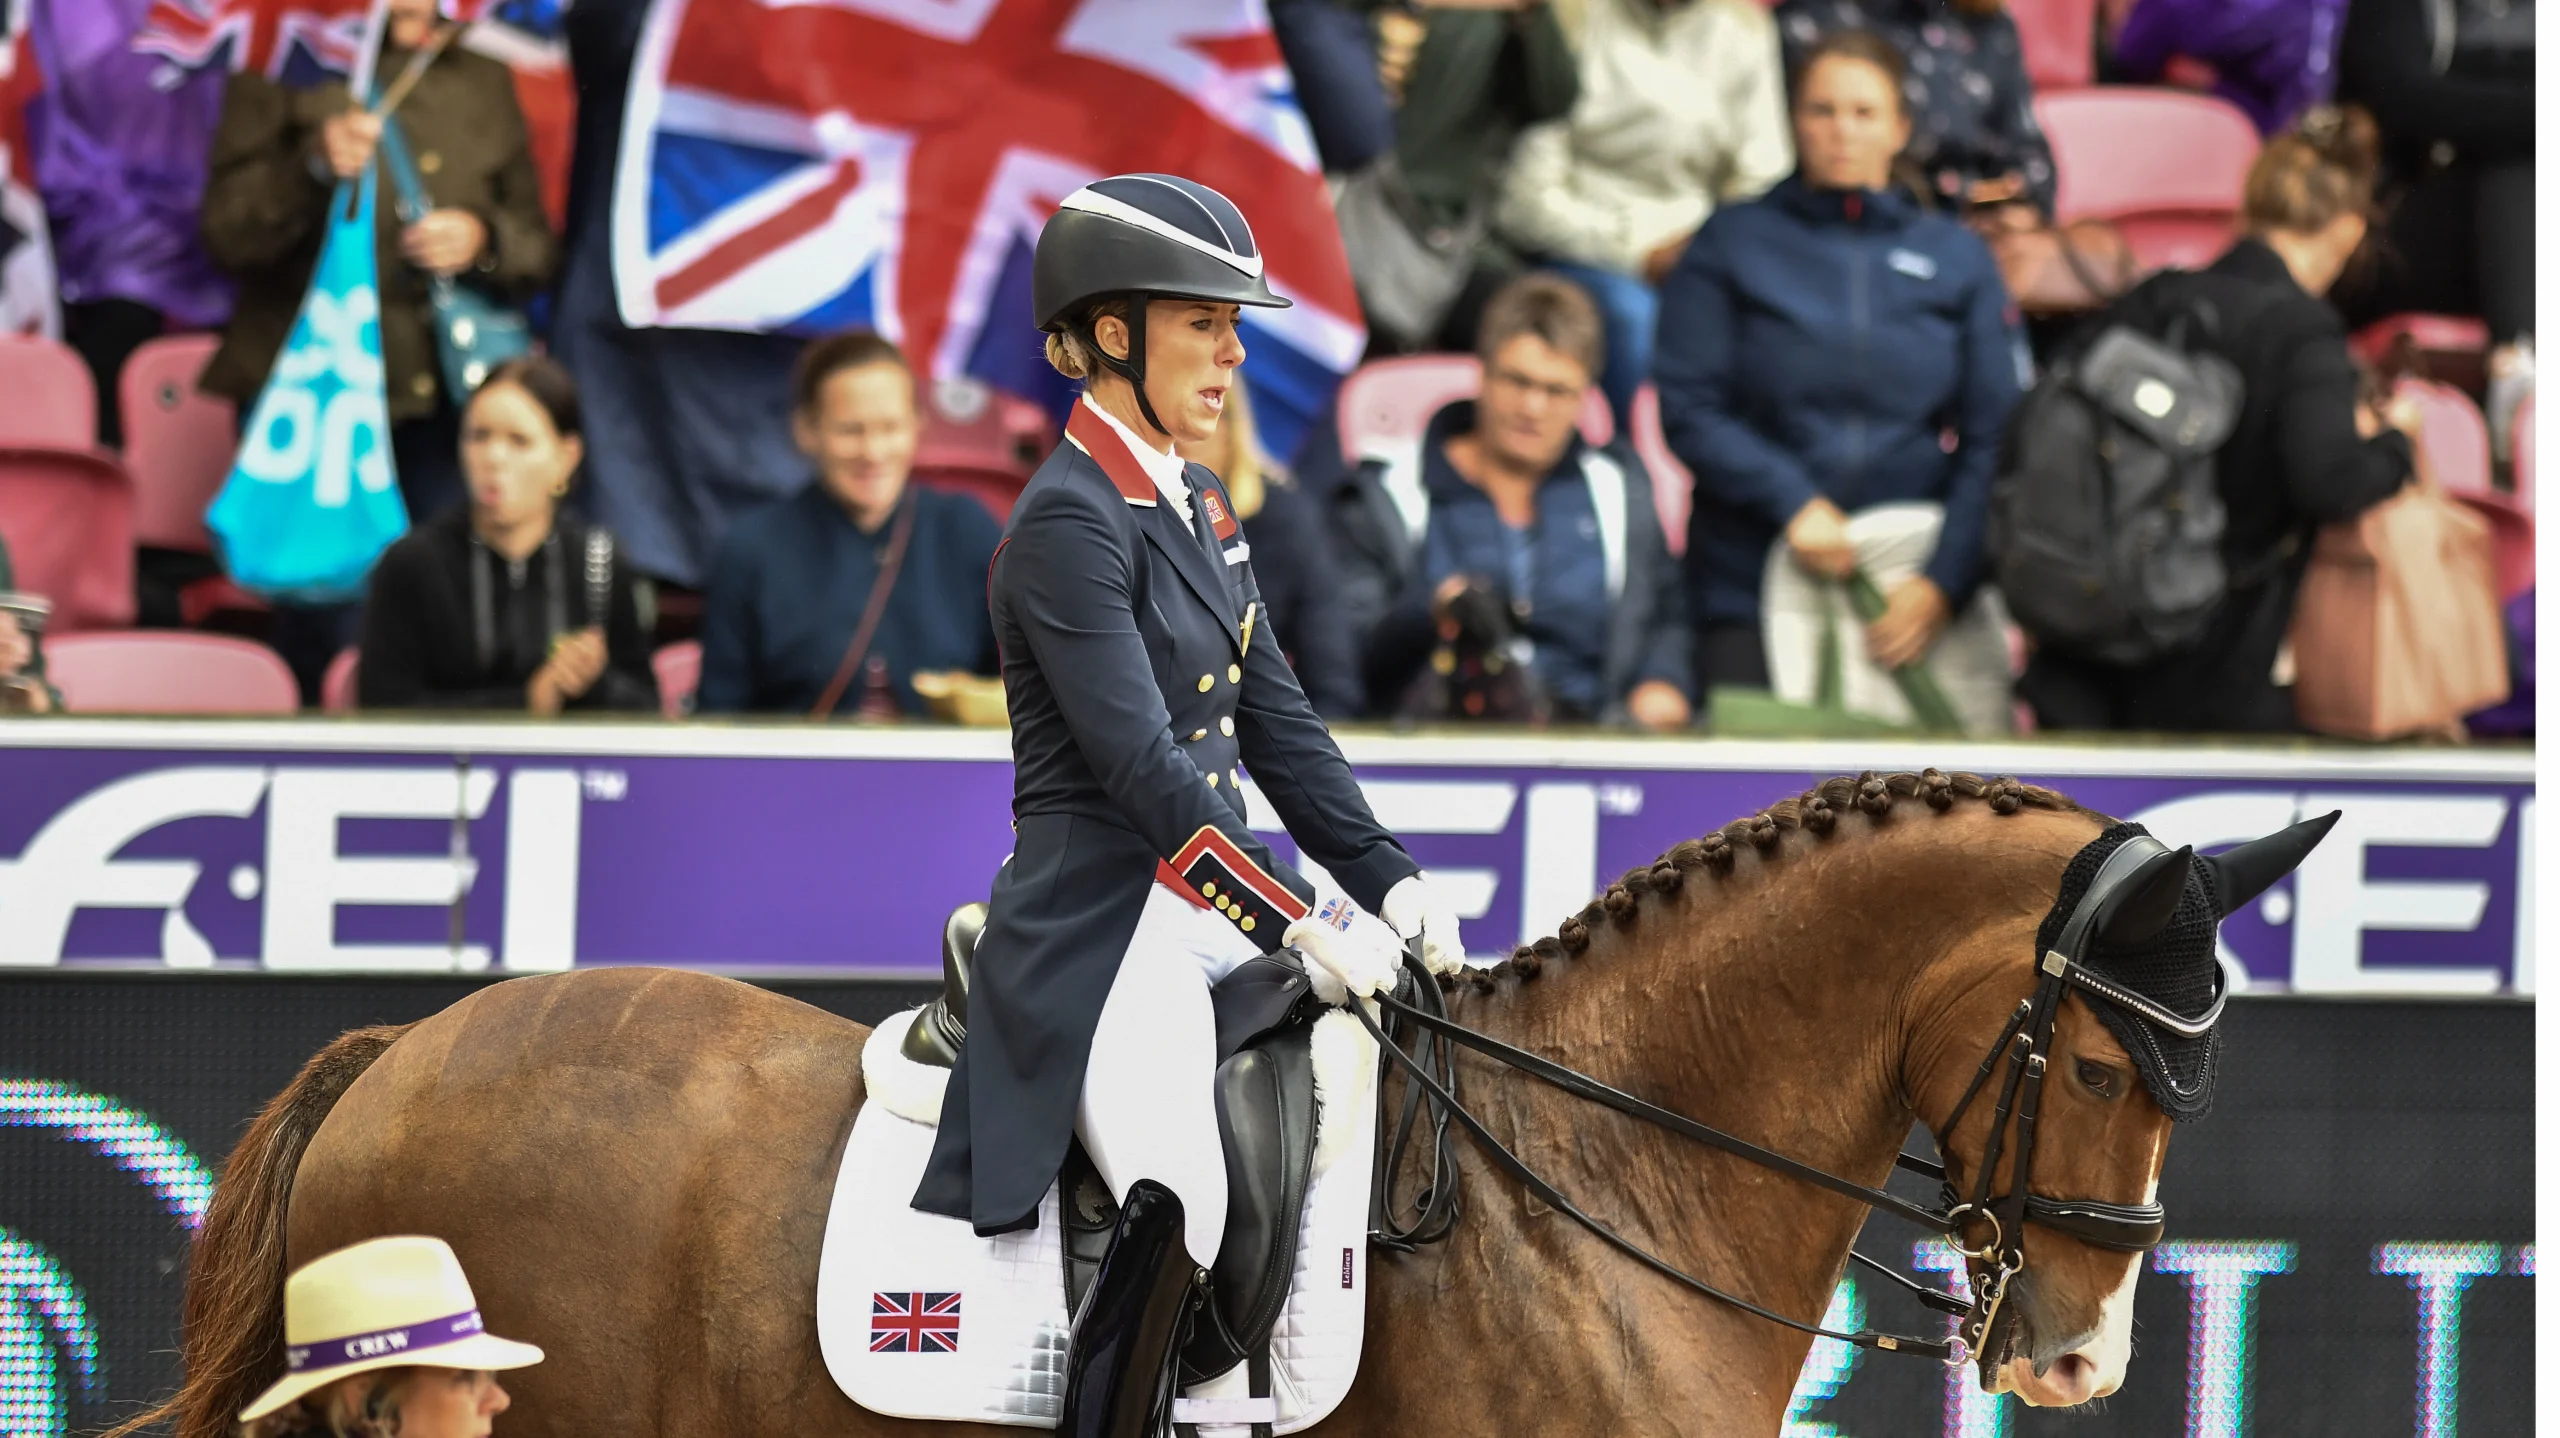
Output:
x=1771 y=1004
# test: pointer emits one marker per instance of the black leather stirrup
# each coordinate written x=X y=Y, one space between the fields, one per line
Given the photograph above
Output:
x=1120 y=1351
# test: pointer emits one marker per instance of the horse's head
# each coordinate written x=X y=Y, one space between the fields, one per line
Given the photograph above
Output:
x=2098 y=1038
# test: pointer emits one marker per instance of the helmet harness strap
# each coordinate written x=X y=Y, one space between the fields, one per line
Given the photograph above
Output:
x=1134 y=368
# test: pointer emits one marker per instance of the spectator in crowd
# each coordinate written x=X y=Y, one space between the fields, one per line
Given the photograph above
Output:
x=2307 y=451
x=1975 y=144
x=1818 y=345
x=1502 y=509
x=830 y=601
x=1330 y=48
x=378 y=1350
x=1682 y=108
x=277 y=156
x=22 y=683
x=506 y=603
x=2451 y=87
x=1464 y=78
x=2272 y=58
x=1293 y=565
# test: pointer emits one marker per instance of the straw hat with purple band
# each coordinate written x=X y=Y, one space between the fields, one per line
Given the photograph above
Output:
x=383 y=1303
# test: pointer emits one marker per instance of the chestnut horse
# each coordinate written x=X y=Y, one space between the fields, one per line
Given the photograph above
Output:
x=635 y=1165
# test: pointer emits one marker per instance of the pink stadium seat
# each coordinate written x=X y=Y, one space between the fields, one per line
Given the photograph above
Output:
x=2455 y=437
x=2059 y=38
x=2427 y=334
x=169 y=672
x=679 y=671
x=2522 y=443
x=1671 y=479
x=338 y=682
x=2165 y=166
x=177 y=442
x=1390 y=401
x=967 y=425
x=52 y=403
x=997 y=489
x=67 y=515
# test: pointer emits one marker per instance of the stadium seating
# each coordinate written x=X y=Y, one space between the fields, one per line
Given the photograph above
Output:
x=2522 y=441
x=2164 y=166
x=168 y=672
x=52 y=401
x=1671 y=479
x=969 y=426
x=177 y=442
x=2455 y=437
x=2059 y=38
x=338 y=682
x=67 y=515
x=1390 y=401
x=2451 y=348
x=996 y=489
x=679 y=671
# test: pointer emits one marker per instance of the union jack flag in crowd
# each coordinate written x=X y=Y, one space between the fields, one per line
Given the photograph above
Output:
x=300 y=42
x=915 y=1323
x=805 y=165
x=27 y=282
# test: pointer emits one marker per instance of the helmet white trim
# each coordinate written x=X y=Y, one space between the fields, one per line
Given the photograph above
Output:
x=1094 y=203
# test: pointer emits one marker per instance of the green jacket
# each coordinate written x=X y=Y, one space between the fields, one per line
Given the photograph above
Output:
x=1480 y=76
x=265 y=208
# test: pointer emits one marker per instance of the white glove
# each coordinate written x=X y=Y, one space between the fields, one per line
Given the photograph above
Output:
x=1348 y=952
x=1418 y=906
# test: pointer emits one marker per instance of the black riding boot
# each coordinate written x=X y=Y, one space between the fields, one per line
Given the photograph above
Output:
x=1120 y=1352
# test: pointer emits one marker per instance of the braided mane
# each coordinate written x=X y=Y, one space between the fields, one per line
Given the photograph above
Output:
x=1816 y=811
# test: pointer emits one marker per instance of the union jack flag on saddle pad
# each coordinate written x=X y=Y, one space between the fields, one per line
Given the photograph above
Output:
x=806 y=165
x=915 y=1322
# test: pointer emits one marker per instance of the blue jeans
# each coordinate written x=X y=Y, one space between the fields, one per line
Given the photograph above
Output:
x=1627 y=307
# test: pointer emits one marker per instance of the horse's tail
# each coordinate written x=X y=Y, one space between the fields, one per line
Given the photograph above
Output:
x=233 y=1342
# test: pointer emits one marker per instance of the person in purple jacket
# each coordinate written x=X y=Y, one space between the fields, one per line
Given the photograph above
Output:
x=2272 y=58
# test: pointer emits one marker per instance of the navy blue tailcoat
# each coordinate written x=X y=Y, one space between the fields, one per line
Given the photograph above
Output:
x=1139 y=671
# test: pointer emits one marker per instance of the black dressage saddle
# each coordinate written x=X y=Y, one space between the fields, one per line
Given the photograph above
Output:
x=1266 y=1097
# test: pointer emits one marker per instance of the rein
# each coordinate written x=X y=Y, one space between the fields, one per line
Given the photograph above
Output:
x=2024 y=1043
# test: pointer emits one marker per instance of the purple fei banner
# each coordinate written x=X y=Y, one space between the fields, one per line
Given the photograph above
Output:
x=796 y=851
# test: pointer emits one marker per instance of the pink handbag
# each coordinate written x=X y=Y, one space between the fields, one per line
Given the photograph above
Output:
x=2397 y=631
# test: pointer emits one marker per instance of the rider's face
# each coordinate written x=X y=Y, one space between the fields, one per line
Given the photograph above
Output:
x=1192 y=353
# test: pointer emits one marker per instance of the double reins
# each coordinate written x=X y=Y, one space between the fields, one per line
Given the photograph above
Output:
x=1437 y=1202
x=2025 y=1042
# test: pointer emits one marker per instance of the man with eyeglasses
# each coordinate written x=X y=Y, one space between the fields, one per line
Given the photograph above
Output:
x=1502 y=567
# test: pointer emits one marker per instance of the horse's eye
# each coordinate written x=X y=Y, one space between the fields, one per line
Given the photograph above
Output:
x=2099 y=1079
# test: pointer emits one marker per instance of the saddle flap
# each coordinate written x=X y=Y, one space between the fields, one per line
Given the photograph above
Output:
x=1267 y=1125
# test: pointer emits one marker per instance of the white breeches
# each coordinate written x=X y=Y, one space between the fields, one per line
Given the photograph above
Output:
x=1148 y=1110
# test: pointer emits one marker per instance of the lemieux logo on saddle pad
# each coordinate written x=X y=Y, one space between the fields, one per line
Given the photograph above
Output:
x=915 y=1322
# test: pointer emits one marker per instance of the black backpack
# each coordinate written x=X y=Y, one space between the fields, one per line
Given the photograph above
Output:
x=2106 y=522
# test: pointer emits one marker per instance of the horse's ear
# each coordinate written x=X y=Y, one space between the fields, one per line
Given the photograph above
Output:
x=2148 y=898
x=2244 y=873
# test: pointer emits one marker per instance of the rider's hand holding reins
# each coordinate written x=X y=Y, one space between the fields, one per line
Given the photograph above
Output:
x=1418 y=907
x=1349 y=952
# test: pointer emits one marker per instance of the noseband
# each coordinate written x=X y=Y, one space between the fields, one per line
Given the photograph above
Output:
x=2020 y=1054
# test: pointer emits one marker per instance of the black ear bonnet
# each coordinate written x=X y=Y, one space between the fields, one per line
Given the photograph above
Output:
x=2174 y=968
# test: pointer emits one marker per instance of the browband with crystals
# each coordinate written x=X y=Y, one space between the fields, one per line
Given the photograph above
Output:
x=434 y=1333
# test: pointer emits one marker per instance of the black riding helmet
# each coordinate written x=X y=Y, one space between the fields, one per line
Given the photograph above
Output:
x=1144 y=237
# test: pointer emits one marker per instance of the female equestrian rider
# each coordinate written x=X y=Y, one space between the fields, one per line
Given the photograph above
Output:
x=1138 y=674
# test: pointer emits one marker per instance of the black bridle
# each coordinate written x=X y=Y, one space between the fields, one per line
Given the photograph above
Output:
x=2020 y=1053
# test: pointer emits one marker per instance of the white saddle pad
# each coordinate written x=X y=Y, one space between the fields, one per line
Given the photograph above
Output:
x=918 y=1317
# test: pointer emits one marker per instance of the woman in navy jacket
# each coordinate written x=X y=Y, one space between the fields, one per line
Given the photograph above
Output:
x=1819 y=347
x=1139 y=671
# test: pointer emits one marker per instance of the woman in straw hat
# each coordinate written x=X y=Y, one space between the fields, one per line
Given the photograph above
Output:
x=384 y=1338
